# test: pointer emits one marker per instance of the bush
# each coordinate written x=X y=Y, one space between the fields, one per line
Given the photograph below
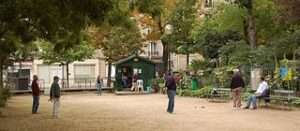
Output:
x=4 y=96
x=246 y=95
x=187 y=92
x=203 y=92
x=296 y=102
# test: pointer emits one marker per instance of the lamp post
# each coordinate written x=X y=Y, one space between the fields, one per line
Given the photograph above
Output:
x=168 y=31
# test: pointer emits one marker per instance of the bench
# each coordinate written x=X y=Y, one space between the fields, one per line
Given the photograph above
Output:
x=220 y=95
x=282 y=97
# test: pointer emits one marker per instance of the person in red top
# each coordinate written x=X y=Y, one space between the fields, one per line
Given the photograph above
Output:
x=35 y=94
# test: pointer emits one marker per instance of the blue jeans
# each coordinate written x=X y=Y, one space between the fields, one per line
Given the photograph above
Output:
x=99 y=90
x=252 y=100
x=171 y=96
x=36 y=103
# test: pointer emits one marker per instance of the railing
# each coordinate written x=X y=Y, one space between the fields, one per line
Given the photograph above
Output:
x=74 y=84
x=153 y=53
x=78 y=83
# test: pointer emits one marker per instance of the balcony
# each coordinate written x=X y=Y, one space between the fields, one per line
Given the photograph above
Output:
x=153 y=54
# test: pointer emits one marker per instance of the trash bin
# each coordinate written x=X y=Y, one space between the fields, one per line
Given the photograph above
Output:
x=194 y=84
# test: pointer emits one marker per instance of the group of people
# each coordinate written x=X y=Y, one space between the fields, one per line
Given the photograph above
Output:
x=54 y=96
x=130 y=82
x=237 y=83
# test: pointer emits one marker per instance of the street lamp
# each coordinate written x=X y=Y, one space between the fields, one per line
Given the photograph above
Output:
x=168 y=31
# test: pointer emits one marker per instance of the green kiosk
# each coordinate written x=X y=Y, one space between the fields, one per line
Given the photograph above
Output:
x=127 y=67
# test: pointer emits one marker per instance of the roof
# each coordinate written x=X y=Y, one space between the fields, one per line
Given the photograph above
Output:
x=132 y=57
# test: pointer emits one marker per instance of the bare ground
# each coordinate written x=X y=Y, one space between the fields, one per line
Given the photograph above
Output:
x=88 y=112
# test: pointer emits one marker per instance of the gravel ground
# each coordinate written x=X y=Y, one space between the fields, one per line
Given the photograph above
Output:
x=89 y=112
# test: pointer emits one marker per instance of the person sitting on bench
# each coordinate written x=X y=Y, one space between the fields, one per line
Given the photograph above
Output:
x=261 y=92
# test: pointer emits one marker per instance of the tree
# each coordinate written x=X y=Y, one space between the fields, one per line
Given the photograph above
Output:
x=117 y=43
x=25 y=52
x=118 y=36
x=159 y=11
x=23 y=21
x=290 y=11
x=182 y=19
x=79 y=52
x=249 y=22
x=287 y=45
x=209 y=42
x=227 y=23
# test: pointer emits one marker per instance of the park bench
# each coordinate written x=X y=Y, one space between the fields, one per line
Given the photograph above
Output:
x=219 y=95
x=282 y=97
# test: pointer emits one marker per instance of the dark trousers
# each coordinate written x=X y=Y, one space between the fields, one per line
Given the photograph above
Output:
x=36 y=103
x=171 y=96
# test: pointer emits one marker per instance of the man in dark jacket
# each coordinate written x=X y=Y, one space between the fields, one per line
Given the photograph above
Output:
x=171 y=86
x=54 y=96
x=237 y=83
x=35 y=94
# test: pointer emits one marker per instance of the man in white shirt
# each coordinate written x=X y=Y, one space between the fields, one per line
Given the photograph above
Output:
x=260 y=92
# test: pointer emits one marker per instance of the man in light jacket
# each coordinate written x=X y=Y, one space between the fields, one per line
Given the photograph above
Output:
x=55 y=96
x=262 y=91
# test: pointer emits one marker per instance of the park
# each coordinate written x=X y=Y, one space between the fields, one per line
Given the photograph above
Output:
x=87 y=111
x=143 y=65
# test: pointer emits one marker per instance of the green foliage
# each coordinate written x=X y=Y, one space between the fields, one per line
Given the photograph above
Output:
x=288 y=44
x=182 y=19
x=210 y=41
x=24 y=21
x=153 y=7
x=49 y=54
x=296 y=102
x=235 y=53
x=4 y=96
x=118 y=42
x=202 y=93
x=223 y=76
x=197 y=65
x=187 y=92
x=227 y=17
x=246 y=95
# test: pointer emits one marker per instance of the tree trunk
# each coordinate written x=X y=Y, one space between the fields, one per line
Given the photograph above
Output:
x=67 y=66
x=20 y=68
x=20 y=65
x=63 y=74
x=251 y=31
x=165 y=57
x=1 y=74
x=109 y=74
x=187 y=60
x=166 y=52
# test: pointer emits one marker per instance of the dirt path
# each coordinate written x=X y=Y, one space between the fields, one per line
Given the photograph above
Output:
x=88 y=112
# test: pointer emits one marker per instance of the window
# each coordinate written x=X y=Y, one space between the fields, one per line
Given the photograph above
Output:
x=208 y=3
x=84 y=71
x=153 y=51
x=47 y=72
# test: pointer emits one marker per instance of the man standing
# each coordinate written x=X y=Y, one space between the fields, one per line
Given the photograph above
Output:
x=261 y=92
x=236 y=85
x=35 y=94
x=171 y=91
x=55 y=96
x=99 y=84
